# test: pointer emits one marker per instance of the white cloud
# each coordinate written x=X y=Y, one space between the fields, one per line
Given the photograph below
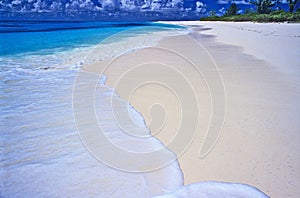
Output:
x=16 y=2
x=23 y=9
x=222 y=10
x=284 y=1
x=177 y=3
x=200 y=7
x=39 y=6
x=56 y=6
x=243 y=2
x=127 y=4
x=97 y=8
x=107 y=4
x=155 y=5
x=77 y=5
x=83 y=5
x=146 y=5
x=223 y=1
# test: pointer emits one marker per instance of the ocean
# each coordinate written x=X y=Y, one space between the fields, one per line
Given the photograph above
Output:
x=42 y=152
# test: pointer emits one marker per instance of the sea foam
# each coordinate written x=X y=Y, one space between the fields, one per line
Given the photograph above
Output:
x=42 y=154
x=213 y=189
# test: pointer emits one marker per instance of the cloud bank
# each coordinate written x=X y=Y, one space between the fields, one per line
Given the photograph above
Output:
x=88 y=5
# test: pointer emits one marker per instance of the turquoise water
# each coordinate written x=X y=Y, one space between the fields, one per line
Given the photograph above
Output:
x=31 y=37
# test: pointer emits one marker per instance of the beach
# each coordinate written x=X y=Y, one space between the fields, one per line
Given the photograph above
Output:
x=224 y=97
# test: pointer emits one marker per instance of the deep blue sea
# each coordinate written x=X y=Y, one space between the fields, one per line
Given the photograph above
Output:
x=42 y=153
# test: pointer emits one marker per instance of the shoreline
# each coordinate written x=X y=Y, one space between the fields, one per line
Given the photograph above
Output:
x=252 y=99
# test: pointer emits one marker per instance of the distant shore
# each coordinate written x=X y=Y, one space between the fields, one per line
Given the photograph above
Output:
x=259 y=65
x=274 y=16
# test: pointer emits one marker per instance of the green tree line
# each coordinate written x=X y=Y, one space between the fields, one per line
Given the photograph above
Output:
x=263 y=12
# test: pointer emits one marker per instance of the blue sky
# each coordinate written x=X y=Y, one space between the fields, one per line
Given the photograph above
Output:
x=172 y=7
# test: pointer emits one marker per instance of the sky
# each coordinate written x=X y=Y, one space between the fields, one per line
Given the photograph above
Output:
x=169 y=8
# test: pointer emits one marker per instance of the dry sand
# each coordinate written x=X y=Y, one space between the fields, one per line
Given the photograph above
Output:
x=176 y=84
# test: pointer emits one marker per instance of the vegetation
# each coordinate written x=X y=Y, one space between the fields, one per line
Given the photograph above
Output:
x=292 y=4
x=263 y=6
x=232 y=10
x=263 y=13
x=212 y=13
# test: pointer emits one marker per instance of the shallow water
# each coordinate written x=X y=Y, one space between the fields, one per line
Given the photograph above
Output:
x=42 y=152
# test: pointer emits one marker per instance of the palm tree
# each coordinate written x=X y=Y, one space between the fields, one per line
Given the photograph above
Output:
x=263 y=6
x=232 y=10
x=292 y=4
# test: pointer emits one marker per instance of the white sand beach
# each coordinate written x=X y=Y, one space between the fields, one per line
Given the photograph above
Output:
x=224 y=98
